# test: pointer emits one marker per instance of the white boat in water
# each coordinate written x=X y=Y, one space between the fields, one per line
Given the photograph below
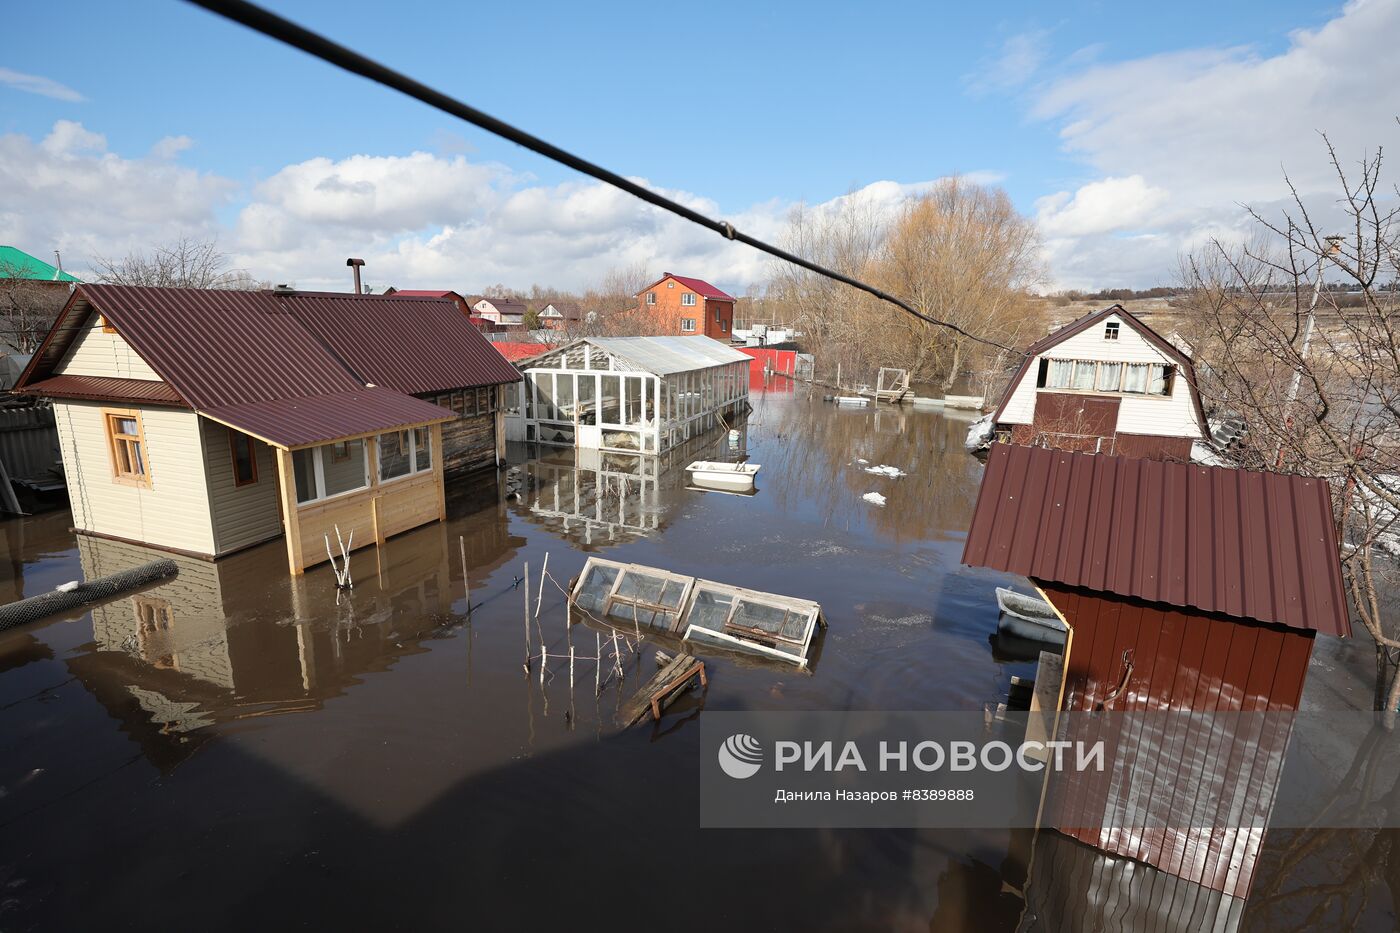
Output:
x=1028 y=617
x=724 y=476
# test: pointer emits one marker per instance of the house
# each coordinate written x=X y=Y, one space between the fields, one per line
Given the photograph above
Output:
x=462 y=304
x=628 y=394
x=1186 y=589
x=205 y=422
x=675 y=304
x=1106 y=383
x=558 y=315
x=32 y=292
x=504 y=311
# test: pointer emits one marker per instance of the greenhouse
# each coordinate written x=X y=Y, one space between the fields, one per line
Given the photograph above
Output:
x=638 y=394
x=630 y=596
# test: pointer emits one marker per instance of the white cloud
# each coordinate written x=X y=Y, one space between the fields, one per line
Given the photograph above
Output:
x=420 y=220
x=1178 y=142
x=1101 y=207
x=1016 y=62
x=37 y=84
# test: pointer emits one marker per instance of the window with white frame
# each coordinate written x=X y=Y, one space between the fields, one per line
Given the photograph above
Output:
x=688 y=299
x=1110 y=330
x=330 y=470
x=1099 y=376
x=688 y=324
x=651 y=298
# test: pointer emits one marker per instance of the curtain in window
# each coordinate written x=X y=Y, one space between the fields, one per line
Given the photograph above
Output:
x=1058 y=377
x=1109 y=376
x=1157 y=384
x=1135 y=377
x=1084 y=375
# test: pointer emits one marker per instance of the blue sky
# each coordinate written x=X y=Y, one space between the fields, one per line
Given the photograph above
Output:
x=750 y=108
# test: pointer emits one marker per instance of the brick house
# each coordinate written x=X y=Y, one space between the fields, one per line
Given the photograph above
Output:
x=680 y=305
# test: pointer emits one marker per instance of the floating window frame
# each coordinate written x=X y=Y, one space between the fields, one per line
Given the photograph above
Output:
x=791 y=642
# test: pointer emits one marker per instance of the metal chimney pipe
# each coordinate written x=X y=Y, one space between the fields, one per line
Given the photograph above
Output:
x=356 y=264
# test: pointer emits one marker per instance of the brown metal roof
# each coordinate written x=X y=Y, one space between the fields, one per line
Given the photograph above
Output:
x=107 y=389
x=1250 y=545
x=319 y=419
x=414 y=345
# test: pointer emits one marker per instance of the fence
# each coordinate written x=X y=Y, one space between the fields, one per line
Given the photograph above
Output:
x=28 y=448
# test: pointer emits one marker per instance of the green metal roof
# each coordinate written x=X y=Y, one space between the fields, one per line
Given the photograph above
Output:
x=17 y=264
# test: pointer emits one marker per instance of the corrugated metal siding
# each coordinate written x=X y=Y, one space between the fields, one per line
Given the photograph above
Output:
x=411 y=345
x=1250 y=545
x=104 y=389
x=28 y=442
x=242 y=515
x=1181 y=660
x=173 y=513
x=294 y=422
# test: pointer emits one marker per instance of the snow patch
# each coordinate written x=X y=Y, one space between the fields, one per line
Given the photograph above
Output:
x=882 y=470
x=874 y=498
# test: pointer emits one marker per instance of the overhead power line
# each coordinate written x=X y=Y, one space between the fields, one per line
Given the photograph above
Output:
x=283 y=30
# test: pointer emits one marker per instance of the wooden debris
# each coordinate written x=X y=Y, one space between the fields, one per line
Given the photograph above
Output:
x=662 y=689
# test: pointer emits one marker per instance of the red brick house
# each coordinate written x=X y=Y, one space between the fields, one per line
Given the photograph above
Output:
x=680 y=305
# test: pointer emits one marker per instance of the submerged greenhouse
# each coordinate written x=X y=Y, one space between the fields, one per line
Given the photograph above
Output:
x=701 y=611
x=638 y=394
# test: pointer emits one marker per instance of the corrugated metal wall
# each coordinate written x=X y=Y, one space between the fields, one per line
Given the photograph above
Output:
x=1180 y=660
x=28 y=441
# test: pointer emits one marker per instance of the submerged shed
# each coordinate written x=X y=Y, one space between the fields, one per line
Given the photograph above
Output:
x=1185 y=588
x=637 y=394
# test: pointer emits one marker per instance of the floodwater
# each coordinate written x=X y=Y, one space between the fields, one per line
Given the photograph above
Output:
x=234 y=749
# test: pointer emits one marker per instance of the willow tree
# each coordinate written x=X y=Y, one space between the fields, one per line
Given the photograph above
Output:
x=958 y=252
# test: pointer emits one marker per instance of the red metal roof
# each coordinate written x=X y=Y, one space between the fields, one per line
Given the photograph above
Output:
x=422 y=293
x=107 y=389
x=699 y=286
x=520 y=351
x=414 y=345
x=317 y=419
x=1250 y=545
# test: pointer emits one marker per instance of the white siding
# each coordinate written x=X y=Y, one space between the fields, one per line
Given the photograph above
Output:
x=242 y=515
x=97 y=354
x=1173 y=416
x=173 y=512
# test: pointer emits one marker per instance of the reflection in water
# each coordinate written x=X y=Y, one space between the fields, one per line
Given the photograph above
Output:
x=382 y=762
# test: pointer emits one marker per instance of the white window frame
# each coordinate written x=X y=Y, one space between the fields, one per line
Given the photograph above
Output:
x=690 y=321
x=319 y=472
x=651 y=298
x=413 y=469
x=1111 y=330
x=688 y=299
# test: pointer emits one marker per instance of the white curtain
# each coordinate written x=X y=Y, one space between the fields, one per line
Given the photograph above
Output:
x=1157 y=385
x=1109 y=376
x=1084 y=375
x=1058 y=377
x=1135 y=377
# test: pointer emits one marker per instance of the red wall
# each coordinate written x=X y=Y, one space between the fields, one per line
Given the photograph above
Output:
x=780 y=361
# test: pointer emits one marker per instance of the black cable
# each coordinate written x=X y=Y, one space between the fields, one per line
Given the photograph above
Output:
x=283 y=30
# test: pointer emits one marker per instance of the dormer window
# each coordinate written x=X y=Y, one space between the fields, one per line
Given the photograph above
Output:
x=1110 y=330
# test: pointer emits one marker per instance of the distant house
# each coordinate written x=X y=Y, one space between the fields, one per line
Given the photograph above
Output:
x=462 y=304
x=500 y=310
x=558 y=315
x=1106 y=383
x=677 y=304
x=1185 y=589
x=205 y=422
x=32 y=292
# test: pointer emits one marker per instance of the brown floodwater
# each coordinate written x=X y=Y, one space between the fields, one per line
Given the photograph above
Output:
x=235 y=749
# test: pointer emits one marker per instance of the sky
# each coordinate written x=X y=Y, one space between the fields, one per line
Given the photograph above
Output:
x=1129 y=134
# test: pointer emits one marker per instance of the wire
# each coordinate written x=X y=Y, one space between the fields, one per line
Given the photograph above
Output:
x=283 y=30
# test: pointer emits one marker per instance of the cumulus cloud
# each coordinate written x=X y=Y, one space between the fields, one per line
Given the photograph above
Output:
x=1179 y=142
x=37 y=84
x=67 y=191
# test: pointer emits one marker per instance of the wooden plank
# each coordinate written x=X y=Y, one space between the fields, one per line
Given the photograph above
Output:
x=291 y=528
x=662 y=689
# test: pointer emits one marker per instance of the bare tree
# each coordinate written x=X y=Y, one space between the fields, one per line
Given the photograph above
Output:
x=27 y=309
x=959 y=252
x=1315 y=378
x=186 y=263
